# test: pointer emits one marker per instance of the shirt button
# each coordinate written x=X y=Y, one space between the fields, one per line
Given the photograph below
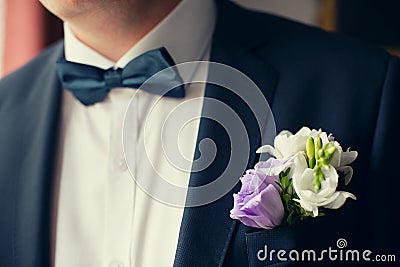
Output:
x=116 y=264
x=122 y=165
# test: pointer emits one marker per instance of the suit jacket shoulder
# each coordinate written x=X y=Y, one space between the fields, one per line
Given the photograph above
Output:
x=263 y=31
x=19 y=86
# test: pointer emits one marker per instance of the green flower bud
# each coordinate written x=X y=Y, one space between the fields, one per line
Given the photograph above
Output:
x=316 y=169
x=320 y=153
x=318 y=143
x=325 y=167
x=311 y=163
x=321 y=176
x=317 y=146
x=317 y=185
x=310 y=149
x=329 y=149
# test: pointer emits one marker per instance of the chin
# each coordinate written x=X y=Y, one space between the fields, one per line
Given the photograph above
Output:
x=65 y=9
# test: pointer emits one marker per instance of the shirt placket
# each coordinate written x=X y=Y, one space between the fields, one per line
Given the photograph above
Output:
x=120 y=189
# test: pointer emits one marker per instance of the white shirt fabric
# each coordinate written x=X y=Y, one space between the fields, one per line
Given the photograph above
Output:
x=102 y=218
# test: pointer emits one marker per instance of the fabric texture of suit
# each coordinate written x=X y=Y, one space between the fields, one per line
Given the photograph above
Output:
x=308 y=76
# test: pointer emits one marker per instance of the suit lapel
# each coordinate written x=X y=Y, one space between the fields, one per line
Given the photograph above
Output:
x=35 y=169
x=206 y=230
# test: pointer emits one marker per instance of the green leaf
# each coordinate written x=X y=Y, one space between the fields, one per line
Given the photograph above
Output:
x=287 y=172
x=289 y=218
x=284 y=181
x=286 y=197
x=279 y=184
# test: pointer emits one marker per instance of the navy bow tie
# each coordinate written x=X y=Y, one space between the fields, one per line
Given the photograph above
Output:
x=91 y=84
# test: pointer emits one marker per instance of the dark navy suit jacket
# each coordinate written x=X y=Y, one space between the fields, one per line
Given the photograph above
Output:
x=309 y=77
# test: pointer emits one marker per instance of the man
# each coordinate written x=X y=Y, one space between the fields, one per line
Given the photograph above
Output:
x=67 y=198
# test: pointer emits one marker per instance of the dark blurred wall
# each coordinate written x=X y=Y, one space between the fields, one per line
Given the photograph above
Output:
x=376 y=21
x=53 y=28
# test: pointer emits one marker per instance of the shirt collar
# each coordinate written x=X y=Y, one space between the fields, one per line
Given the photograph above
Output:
x=192 y=23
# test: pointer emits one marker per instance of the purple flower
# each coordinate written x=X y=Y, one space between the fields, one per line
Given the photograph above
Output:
x=259 y=204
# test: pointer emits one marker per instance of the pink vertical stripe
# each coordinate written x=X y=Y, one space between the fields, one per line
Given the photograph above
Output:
x=24 y=32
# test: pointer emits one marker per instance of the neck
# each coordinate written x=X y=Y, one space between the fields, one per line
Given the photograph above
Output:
x=112 y=31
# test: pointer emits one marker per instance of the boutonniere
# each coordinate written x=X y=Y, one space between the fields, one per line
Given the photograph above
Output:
x=298 y=181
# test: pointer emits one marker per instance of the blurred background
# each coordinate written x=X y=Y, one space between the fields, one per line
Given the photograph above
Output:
x=26 y=27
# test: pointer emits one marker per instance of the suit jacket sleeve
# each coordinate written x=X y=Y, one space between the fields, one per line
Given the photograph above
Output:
x=383 y=174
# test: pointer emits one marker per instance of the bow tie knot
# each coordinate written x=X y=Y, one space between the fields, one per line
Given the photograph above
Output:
x=113 y=78
x=91 y=84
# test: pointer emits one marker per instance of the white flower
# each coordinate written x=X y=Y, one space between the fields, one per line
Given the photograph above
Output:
x=287 y=145
x=303 y=184
x=341 y=159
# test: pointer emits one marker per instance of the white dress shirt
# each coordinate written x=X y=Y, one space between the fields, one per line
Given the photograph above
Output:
x=102 y=217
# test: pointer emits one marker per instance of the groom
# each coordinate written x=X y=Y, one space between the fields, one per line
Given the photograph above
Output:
x=67 y=195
